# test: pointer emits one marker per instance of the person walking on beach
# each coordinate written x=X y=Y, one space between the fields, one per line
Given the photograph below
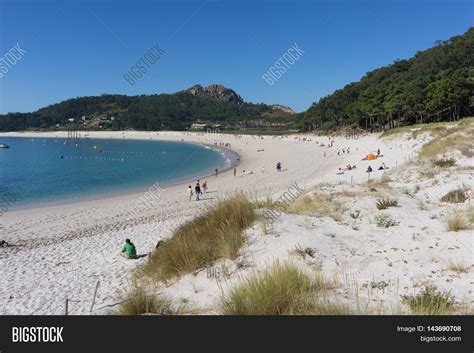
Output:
x=204 y=187
x=216 y=171
x=235 y=171
x=190 y=192
x=197 y=189
x=128 y=250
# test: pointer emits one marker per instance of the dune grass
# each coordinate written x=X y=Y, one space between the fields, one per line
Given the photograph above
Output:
x=457 y=266
x=139 y=302
x=454 y=196
x=217 y=233
x=470 y=215
x=283 y=289
x=443 y=163
x=383 y=204
x=317 y=204
x=385 y=221
x=455 y=137
x=430 y=301
x=446 y=136
x=456 y=221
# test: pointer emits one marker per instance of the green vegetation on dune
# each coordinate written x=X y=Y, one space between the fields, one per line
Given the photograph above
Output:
x=436 y=84
x=215 y=234
x=282 y=289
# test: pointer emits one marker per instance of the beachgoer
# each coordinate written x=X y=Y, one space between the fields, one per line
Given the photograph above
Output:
x=235 y=171
x=378 y=152
x=190 y=192
x=216 y=171
x=128 y=250
x=197 y=189
x=204 y=186
x=369 y=169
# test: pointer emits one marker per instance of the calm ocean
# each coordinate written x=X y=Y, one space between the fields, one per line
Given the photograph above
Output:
x=42 y=171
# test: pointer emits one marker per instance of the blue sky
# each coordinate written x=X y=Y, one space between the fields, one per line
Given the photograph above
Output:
x=79 y=48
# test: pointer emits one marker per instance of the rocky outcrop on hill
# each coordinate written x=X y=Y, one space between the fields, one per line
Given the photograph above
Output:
x=216 y=92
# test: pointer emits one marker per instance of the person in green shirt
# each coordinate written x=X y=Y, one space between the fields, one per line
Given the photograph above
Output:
x=128 y=250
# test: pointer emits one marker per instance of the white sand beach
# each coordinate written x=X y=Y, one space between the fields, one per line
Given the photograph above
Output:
x=61 y=252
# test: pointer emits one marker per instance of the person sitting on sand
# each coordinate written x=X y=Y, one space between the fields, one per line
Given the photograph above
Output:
x=129 y=251
x=369 y=169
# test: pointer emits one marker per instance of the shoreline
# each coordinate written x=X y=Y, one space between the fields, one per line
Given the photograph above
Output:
x=36 y=284
x=229 y=155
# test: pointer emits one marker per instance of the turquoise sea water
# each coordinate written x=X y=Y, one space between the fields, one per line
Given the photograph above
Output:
x=40 y=171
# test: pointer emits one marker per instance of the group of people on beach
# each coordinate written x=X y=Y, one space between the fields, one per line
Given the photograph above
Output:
x=344 y=150
x=349 y=167
x=198 y=190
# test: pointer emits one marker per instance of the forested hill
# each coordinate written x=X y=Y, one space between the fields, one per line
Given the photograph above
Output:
x=212 y=105
x=436 y=84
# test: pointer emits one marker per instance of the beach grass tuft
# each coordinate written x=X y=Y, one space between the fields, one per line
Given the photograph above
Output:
x=457 y=266
x=455 y=196
x=456 y=222
x=383 y=204
x=139 y=302
x=385 y=221
x=443 y=162
x=430 y=301
x=217 y=233
x=317 y=204
x=282 y=289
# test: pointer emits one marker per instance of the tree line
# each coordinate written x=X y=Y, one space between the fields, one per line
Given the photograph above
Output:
x=436 y=84
x=146 y=112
